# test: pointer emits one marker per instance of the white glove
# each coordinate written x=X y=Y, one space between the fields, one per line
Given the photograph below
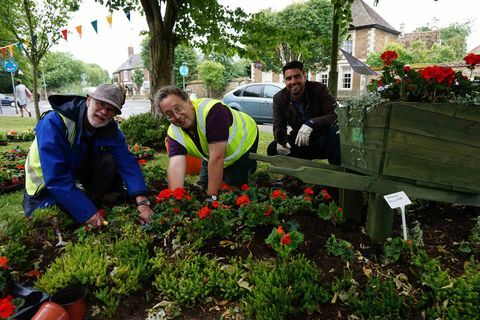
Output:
x=283 y=150
x=303 y=136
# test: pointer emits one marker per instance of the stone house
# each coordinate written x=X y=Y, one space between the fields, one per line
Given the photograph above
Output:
x=124 y=73
x=369 y=33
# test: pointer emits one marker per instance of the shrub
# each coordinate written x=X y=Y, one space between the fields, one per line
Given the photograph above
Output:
x=147 y=129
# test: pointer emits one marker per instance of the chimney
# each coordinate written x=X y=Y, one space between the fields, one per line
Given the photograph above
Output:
x=130 y=51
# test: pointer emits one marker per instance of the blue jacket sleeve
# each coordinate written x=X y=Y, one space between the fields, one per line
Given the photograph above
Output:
x=56 y=163
x=128 y=167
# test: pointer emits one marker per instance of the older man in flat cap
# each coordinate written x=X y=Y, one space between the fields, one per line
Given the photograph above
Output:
x=79 y=142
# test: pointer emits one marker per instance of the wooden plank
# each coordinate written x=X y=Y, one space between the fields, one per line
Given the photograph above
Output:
x=359 y=182
x=432 y=172
x=292 y=162
x=379 y=218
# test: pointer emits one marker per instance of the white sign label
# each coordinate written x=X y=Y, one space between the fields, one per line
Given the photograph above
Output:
x=397 y=199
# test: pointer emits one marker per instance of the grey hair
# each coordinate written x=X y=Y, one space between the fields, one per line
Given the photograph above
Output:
x=164 y=92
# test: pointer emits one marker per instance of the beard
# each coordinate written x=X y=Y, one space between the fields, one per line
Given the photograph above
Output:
x=94 y=120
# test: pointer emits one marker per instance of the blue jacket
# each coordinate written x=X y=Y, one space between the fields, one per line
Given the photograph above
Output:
x=60 y=159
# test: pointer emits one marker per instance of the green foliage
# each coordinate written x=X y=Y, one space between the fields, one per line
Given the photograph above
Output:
x=380 y=300
x=331 y=212
x=284 y=242
x=138 y=77
x=146 y=129
x=185 y=54
x=300 y=31
x=340 y=248
x=284 y=291
x=404 y=55
x=212 y=75
x=14 y=231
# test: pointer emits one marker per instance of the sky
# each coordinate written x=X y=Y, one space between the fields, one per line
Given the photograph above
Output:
x=109 y=47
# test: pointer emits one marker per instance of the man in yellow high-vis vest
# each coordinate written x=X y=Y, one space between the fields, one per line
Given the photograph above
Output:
x=207 y=129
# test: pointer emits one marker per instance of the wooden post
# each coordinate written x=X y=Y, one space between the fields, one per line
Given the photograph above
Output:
x=379 y=218
x=351 y=202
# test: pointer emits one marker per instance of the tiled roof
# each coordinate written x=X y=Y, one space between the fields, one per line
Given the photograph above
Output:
x=364 y=16
x=475 y=50
x=133 y=62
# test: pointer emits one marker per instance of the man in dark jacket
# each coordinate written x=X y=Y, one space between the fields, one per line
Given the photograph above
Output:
x=308 y=108
x=79 y=141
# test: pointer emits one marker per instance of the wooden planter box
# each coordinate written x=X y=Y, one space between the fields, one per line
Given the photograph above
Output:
x=432 y=145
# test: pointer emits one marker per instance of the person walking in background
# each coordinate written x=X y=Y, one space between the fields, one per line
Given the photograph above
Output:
x=23 y=97
x=308 y=108
x=208 y=129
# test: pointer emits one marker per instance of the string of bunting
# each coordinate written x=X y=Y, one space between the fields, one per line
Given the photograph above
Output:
x=10 y=47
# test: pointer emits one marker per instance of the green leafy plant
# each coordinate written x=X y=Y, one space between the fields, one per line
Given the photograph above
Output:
x=331 y=212
x=147 y=129
x=284 y=291
x=340 y=248
x=284 y=242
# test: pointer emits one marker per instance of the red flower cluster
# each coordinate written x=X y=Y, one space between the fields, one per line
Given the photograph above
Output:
x=472 y=59
x=388 y=57
x=325 y=194
x=442 y=75
x=268 y=212
x=278 y=194
x=286 y=239
x=3 y=262
x=242 y=201
x=245 y=187
x=308 y=191
x=204 y=212
x=142 y=162
x=178 y=193
x=6 y=307
x=280 y=230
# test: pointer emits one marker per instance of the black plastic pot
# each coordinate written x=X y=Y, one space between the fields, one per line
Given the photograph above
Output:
x=33 y=300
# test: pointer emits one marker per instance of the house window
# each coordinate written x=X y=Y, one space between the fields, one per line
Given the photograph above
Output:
x=125 y=75
x=346 y=77
x=324 y=78
x=348 y=46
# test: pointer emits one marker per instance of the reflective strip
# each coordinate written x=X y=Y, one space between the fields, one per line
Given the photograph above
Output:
x=201 y=112
x=242 y=141
x=71 y=128
x=178 y=136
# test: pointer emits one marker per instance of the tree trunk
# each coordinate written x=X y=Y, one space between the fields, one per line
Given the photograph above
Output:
x=333 y=74
x=35 y=88
x=161 y=51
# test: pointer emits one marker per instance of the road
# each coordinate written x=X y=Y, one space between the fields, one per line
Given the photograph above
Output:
x=131 y=107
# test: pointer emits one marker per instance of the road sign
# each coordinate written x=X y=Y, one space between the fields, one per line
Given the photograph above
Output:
x=10 y=65
x=183 y=70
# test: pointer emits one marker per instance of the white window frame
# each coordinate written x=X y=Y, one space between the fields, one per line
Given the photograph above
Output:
x=323 y=76
x=346 y=75
x=347 y=45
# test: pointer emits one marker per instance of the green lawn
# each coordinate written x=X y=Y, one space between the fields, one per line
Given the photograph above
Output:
x=17 y=124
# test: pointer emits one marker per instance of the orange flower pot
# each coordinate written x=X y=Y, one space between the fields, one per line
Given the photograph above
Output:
x=194 y=164
x=72 y=298
x=51 y=311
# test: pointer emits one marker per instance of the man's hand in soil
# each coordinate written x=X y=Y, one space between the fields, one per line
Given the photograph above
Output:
x=146 y=212
x=97 y=221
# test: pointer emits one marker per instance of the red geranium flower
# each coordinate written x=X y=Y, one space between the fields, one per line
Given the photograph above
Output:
x=204 y=212
x=6 y=307
x=142 y=162
x=326 y=195
x=215 y=204
x=308 y=191
x=278 y=194
x=280 y=230
x=242 y=201
x=307 y=198
x=164 y=194
x=3 y=262
x=268 y=212
x=388 y=57
x=286 y=239
x=472 y=59
x=179 y=193
x=245 y=187
x=407 y=68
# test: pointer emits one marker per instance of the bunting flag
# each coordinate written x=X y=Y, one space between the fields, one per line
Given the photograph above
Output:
x=109 y=20
x=49 y=37
x=19 y=46
x=64 y=34
x=128 y=15
x=94 y=25
x=3 y=52
x=79 y=30
x=10 y=50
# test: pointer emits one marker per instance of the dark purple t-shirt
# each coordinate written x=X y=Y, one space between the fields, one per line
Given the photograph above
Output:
x=219 y=120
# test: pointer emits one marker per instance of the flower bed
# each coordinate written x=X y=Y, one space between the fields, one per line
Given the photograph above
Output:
x=12 y=169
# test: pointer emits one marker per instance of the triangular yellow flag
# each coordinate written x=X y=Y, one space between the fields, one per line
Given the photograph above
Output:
x=79 y=30
x=109 y=20
x=10 y=50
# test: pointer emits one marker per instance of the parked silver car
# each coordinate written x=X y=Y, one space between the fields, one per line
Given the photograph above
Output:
x=254 y=99
x=7 y=101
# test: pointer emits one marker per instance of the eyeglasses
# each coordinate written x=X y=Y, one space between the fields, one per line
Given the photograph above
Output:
x=103 y=106
x=177 y=110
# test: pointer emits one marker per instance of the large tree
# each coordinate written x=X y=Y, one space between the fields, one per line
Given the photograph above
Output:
x=30 y=22
x=299 y=32
x=202 y=23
